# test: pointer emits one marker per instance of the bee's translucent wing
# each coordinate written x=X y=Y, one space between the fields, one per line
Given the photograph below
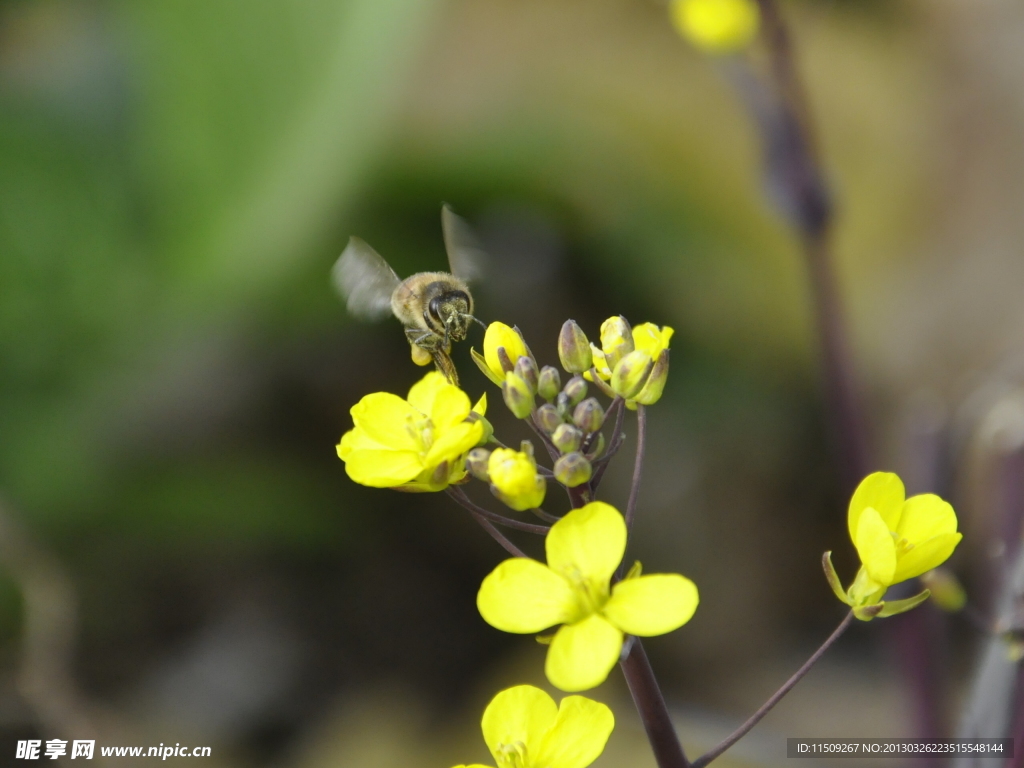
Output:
x=465 y=254
x=365 y=280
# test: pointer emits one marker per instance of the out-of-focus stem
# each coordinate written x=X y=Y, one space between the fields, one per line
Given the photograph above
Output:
x=650 y=704
x=775 y=698
x=638 y=465
x=497 y=535
x=460 y=496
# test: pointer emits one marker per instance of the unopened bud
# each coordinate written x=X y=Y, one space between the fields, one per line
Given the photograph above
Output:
x=549 y=383
x=947 y=592
x=616 y=340
x=575 y=389
x=655 y=385
x=563 y=405
x=526 y=447
x=589 y=415
x=476 y=463
x=518 y=396
x=526 y=369
x=548 y=418
x=573 y=469
x=567 y=438
x=630 y=374
x=574 y=348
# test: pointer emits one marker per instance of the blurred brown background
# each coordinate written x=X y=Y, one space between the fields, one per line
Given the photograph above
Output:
x=176 y=180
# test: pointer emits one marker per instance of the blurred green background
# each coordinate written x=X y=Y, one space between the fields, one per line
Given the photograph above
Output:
x=176 y=180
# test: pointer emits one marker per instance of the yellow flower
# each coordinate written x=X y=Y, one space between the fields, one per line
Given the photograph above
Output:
x=897 y=539
x=636 y=366
x=716 y=26
x=418 y=444
x=500 y=336
x=574 y=589
x=514 y=479
x=523 y=728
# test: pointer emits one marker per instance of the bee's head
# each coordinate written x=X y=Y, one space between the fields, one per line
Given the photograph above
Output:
x=453 y=311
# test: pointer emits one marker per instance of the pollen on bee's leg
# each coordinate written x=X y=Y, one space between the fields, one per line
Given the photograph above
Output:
x=420 y=356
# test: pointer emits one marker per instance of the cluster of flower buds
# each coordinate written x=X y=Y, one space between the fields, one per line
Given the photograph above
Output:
x=512 y=475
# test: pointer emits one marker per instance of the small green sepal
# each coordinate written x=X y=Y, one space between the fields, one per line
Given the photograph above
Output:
x=833 y=579
x=894 y=607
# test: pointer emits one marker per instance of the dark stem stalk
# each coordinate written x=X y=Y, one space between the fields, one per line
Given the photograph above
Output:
x=638 y=465
x=614 y=442
x=497 y=535
x=460 y=496
x=650 y=704
x=776 y=697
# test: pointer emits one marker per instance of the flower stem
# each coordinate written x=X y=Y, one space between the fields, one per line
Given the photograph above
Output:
x=497 y=535
x=460 y=496
x=650 y=704
x=776 y=697
x=614 y=442
x=638 y=466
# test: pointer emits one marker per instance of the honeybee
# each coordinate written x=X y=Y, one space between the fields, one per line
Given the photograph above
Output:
x=436 y=308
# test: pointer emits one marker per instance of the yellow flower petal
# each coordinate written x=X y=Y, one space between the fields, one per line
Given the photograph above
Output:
x=924 y=517
x=474 y=765
x=881 y=490
x=383 y=469
x=652 y=339
x=652 y=605
x=423 y=392
x=450 y=406
x=925 y=556
x=357 y=440
x=450 y=445
x=523 y=715
x=386 y=418
x=481 y=405
x=524 y=596
x=578 y=736
x=717 y=26
x=876 y=547
x=500 y=335
x=581 y=655
x=588 y=543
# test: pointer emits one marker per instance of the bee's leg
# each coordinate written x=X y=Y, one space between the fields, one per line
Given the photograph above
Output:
x=446 y=366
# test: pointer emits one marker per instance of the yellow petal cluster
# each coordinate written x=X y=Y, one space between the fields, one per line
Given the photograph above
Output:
x=510 y=341
x=633 y=361
x=514 y=479
x=416 y=444
x=716 y=26
x=897 y=539
x=574 y=590
x=524 y=728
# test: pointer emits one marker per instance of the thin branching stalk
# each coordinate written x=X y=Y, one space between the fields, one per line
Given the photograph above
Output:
x=497 y=535
x=460 y=496
x=614 y=442
x=638 y=465
x=775 y=698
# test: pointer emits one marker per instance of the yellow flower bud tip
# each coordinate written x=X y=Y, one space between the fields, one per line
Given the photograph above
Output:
x=567 y=438
x=897 y=538
x=573 y=348
x=589 y=415
x=716 y=26
x=514 y=479
x=573 y=469
x=616 y=340
x=517 y=395
x=524 y=728
x=575 y=389
x=549 y=384
x=416 y=444
x=503 y=346
x=574 y=590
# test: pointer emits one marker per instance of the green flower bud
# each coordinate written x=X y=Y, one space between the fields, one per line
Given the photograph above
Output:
x=476 y=463
x=567 y=438
x=549 y=383
x=574 y=348
x=548 y=418
x=514 y=479
x=517 y=394
x=573 y=469
x=589 y=415
x=616 y=340
x=575 y=389
x=526 y=369
x=526 y=447
x=630 y=374
x=655 y=384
